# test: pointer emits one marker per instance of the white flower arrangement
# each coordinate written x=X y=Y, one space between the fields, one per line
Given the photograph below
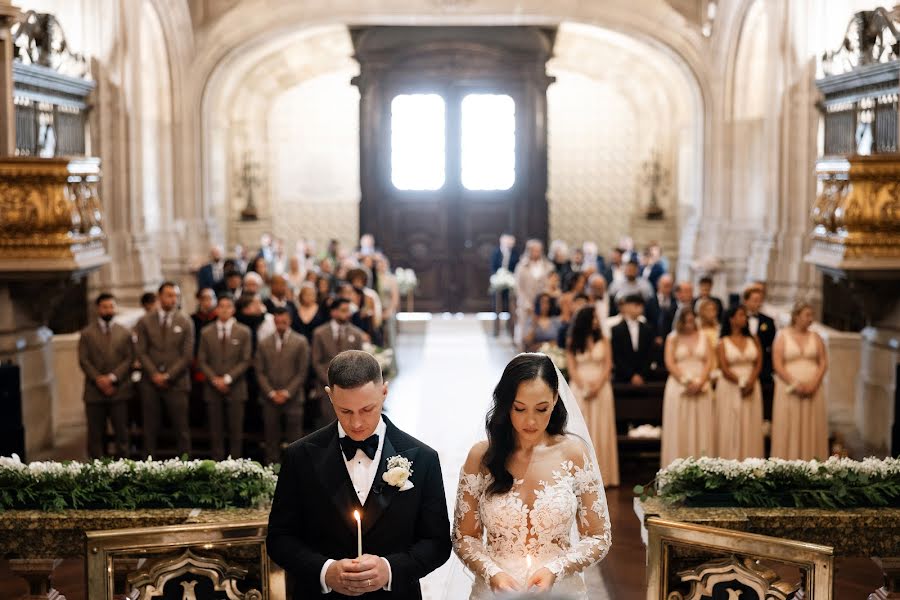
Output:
x=406 y=280
x=502 y=280
x=556 y=354
x=384 y=356
x=399 y=470
x=833 y=483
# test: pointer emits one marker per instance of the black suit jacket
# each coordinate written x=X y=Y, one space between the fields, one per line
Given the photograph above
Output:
x=497 y=260
x=312 y=514
x=626 y=361
x=659 y=319
x=766 y=335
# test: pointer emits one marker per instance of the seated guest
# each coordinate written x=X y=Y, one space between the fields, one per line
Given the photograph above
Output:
x=763 y=327
x=213 y=272
x=631 y=285
x=329 y=340
x=105 y=354
x=309 y=314
x=688 y=423
x=542 y=327
x=225 y=355
x=632 y=342
x=282 y=366
x=705 y=293
x=579 y=302
x=280 y=297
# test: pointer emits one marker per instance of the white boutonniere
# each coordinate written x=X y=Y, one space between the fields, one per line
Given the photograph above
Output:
x=764 y=327
x=399 y=470
x=235 y=342
x=177 y=329
x=351 y=338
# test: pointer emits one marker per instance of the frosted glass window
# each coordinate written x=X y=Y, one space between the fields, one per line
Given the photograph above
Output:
x=488 y=142
x=417 y=142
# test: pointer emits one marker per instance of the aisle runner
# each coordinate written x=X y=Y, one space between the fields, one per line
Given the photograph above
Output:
x=444 y=403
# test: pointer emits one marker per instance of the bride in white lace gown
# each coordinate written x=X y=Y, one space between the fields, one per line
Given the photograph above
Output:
x=531 y=513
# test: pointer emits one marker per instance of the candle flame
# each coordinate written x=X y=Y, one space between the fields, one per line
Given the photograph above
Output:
x=528 y=561
x=356 y=515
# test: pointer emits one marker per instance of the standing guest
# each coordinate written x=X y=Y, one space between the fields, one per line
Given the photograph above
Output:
x=763 y=327
x=532 y=273
x=543 y=326
x=359 y=280
x=324 y=291
x=631 y=285
x=278 y=265
x=589 y=357
x=577 y=284
x=333 y=251
x=296 y=273
x=389 y=293
x=212 y=273
x=554 y=290
x=266 y=252
x=366 y=245
x=505 y=256
x=256 y=281
x=280 y=297
x=559 y=256
x=684 y=295
x=576 y=265
x=241 y=259
x=205 y=313
x=105 y=353
x=149 y=302
x=688 y=417
x=707 y=315
x=282 y=366
x=224 y=357
x=597 y=296
x=165 y=347
x=252 y=312
x=629 y=254
x=309 y=314
x=739 y=409
x=632 y=341
x=593 y=260
x=614 y=269
x=799 y=416
x=332 y=338
x=705 y=293
x=660 y=315
x=655 y=266
x=231 y=285
x=579 y=302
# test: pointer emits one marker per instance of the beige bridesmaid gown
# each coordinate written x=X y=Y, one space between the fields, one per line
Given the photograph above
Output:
x=688 y=421
x=799 y=425
x=599 y=412
x=739 y=433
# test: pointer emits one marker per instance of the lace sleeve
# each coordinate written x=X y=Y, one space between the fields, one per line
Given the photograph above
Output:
x=468 y=532
x=594 y=531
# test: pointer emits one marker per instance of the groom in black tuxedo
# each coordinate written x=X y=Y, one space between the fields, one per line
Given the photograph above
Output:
x=339 y=469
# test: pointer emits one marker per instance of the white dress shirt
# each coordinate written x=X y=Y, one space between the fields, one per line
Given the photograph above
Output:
x=753 y=324
x=362 y=472
x=634 y=329
x=225 y=333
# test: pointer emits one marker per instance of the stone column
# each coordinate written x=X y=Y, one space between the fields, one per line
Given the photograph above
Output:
x=8 y=15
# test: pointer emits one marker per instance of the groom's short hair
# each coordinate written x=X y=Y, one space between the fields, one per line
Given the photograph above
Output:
x=352 y=369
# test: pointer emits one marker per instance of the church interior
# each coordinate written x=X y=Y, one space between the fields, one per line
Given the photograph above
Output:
x=691 y=206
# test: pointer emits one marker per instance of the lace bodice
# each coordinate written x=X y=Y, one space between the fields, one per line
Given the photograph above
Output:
x=539 y=517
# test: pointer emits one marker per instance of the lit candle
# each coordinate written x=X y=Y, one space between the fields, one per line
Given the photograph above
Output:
x=358 y=533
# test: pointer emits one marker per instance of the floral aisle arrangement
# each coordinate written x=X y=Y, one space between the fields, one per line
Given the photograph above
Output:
x=557 y=355
x=128 y=484
x=763 y=483
x=406 y=280
x=384 y=356
x=502 y=280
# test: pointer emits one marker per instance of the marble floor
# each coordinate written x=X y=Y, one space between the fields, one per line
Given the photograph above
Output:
x=448 y=366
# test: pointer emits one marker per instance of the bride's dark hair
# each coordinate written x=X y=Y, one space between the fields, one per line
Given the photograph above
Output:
x=501 y=436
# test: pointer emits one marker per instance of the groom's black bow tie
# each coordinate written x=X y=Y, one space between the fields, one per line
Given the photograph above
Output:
x=368 y=445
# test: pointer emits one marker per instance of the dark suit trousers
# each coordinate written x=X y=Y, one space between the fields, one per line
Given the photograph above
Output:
x=291 y=413
x=216 y=407
x=176 y=402
x=97 y=413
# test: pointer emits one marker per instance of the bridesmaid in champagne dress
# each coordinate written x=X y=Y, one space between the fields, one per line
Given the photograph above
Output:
x=688 y=420
x=799 y=416
x=739 y=409
x=589 y=359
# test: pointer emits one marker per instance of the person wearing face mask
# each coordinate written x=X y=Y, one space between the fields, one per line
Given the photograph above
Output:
x=105 y=353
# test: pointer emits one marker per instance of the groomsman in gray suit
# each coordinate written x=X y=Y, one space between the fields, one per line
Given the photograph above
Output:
x=105 y=353
x=329 y=340
x=165 y=347
x=282 y=364
x=226 y=352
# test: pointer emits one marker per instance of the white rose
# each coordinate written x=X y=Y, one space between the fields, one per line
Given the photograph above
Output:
x=396 y=477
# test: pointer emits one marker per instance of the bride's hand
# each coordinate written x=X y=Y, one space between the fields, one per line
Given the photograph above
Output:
x=501 y=582
x=541 y=581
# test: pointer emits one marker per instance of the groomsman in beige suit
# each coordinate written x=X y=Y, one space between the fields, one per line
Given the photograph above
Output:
x=165 y=347
x=282 y=364
x=105 y=353
x=226 y=352
x=328 y=341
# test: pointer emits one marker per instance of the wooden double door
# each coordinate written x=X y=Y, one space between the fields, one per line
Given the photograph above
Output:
x=445 y=227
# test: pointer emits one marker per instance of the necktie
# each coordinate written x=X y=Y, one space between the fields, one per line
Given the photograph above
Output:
x=369 y=445
x=165 y=325
x=223 y=337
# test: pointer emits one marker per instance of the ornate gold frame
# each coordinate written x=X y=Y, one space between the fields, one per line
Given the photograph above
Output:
x=815 y=560
x=104 y=546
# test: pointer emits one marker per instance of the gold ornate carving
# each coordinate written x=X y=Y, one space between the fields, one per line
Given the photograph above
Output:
x=151 y=582
x=857 y=213
x=764 y=581
x=49 y=208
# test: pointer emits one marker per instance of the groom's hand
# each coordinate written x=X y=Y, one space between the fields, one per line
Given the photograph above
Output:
x=366 y=574
x=336 y=576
